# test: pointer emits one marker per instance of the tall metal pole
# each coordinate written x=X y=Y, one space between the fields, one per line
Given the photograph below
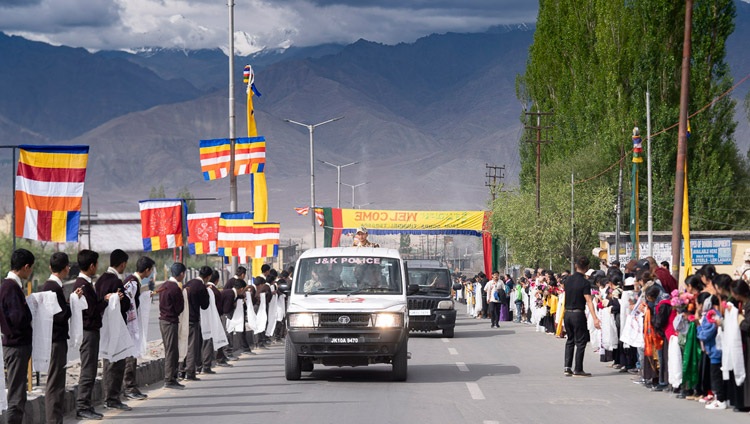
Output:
x=619 y=208
x=13 y=188
x=648 y=171
x=354 y=187
x=682 y=141
x=538 y=163
x=312 y=187
x=311 y=130
x=338 y=179
x=232 y=129
x=88 y=218
x=572 y=223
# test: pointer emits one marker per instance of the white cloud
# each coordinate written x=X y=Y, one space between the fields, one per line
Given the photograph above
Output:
x=127 y=24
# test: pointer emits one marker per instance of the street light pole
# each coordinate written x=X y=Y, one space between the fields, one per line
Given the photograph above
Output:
x=232 y=130
x=311 y=129
x=354 y=187
x=338 y=179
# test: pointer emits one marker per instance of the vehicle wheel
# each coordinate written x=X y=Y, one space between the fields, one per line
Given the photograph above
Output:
x=448 y=332
x=307 y=365
x=399 y=363
x=292 y=369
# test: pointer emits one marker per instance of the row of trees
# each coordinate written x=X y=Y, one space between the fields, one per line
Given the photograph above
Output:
x=591 y=64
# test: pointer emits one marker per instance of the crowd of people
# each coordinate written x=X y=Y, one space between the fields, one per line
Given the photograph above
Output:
x=201 y=326
x=691 y=341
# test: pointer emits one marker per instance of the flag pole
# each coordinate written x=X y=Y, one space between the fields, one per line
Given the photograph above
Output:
x=13 y=191
x=232 y=130
x=648 y=171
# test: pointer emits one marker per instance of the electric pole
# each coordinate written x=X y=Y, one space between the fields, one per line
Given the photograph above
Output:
x=493 y=174
x=535 y=136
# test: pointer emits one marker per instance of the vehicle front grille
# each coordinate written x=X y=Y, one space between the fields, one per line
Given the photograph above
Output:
x=422 y=303
x=336 y=320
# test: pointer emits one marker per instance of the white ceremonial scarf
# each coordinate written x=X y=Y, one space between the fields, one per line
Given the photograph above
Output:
x=43 y=306
x=674 y=362
x=77 y=305
x=236 y=323
x=731 y=349
x=133 y=322
x=144 y=314
x=13 y=276
x=211 y=324
x=252 y=318
x=183 y=328
x=3 y=394
x=115 y=342
x=281 y=308
x=271 y=317
x=262 y=321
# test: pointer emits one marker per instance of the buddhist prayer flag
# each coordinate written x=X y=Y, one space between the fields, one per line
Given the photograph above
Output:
x=49 y=188
x=258 y=187
x=161 y=223
x=214 y=155
x=241 y=237
x=203 y=233
x=687 y=254
x=302 y=211
x=249 y=155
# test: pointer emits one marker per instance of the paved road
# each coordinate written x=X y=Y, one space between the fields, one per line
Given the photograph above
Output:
x=482 y=376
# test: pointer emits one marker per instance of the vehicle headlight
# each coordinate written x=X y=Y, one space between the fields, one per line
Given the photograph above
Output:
x=389 y=320
x=445 y=304
x=303 y=320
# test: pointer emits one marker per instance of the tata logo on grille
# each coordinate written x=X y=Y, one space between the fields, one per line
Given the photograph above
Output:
x=344 y=320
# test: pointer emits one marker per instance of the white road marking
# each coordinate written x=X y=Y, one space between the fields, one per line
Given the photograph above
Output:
x=445 y=340
x=452 y=351
x=462 y=366
x=475 y=391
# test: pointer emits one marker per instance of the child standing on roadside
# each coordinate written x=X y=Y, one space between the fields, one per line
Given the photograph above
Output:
x=707 y=331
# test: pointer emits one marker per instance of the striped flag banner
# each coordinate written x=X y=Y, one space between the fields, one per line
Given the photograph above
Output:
x=302 y=211
x=203 y=233
x=49 y=188
x=161 y=223
x=214 y=155
x=241 y=237
x=319 y=216
x=249 y=155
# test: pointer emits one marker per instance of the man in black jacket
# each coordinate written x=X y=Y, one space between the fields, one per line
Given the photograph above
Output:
x=113 y=372
x=54 y=393
x=171 y=305
x=197 y=296
x=15 y=323
x=92 y=324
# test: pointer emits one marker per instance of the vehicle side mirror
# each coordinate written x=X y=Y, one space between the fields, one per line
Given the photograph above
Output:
x=412 y=289
x=458 y=286
x=284 y=288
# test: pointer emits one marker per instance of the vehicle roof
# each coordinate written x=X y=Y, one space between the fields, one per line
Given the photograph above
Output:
x=380 y=252
x=425 y=263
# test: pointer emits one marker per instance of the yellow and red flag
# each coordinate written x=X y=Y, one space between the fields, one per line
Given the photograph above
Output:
x=203 y=233
x=49 y=188
x=240 y=236
x=161 y=223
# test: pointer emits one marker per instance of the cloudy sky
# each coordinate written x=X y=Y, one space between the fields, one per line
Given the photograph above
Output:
x=128 y=24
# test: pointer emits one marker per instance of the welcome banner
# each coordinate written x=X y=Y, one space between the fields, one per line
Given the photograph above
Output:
x=346 y=221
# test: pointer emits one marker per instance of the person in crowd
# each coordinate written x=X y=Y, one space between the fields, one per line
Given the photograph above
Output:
x=360 y=239
x=171 y=305
x=707 y=332
x=110 y=282
x=54 y=393
x=15 y=323
x=577 y=299
x=197 y=297
x=144 y=268
x=741 y=292
x=208 y=354
x=88 y=261
x=494 y=299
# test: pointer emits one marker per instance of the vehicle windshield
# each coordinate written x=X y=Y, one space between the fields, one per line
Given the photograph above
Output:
x=348 y=275
x=431 y=281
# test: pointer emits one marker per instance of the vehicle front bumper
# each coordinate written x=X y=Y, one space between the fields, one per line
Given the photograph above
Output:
x=437 y=320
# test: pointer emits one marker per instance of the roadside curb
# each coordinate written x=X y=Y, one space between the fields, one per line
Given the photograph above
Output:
x=147 y=374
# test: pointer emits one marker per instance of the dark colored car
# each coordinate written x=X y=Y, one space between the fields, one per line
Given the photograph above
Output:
x=431 y=308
